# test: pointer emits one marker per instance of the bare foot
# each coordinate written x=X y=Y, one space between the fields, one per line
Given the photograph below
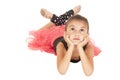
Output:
x=76 y=9
x=46 y=13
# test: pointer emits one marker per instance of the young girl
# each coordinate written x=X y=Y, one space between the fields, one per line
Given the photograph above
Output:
x=68 y=40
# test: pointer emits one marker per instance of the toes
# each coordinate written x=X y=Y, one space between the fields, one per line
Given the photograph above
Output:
x=45 y=13
x=77 y=9
x=42 y=11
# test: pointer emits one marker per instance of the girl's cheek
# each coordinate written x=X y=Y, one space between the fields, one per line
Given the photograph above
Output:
x=68 y=36
x=71 y=36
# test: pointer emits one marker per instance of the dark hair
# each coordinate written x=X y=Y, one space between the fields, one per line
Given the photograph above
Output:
x=77 y=17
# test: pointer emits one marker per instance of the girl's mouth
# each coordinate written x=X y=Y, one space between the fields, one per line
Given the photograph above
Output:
x=76 y=39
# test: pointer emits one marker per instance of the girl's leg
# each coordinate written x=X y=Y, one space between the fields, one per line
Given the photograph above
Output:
x=62 y=18
x=46 y=13
x=53 y=18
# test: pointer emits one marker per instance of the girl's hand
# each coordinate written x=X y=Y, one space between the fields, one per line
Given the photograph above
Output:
x=67 y=39
x=83 y=42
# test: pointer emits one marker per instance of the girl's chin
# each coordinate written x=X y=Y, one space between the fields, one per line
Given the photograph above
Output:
x=75 y=42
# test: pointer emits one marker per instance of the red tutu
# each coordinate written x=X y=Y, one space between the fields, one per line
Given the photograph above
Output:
x=43 y=39
x=96 y=50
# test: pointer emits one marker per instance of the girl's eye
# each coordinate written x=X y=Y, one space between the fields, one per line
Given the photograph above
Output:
x=72 y=28
x=81 y=30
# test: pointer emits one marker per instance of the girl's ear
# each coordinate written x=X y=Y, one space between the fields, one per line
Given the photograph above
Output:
x=88 y=33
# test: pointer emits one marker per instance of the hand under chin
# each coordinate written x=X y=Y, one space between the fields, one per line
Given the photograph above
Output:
x=76 y=42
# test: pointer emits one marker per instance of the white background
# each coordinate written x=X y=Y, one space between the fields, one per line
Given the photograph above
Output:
x=18 y=17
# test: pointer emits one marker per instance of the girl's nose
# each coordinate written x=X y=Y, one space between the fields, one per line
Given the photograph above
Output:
x=77 y=32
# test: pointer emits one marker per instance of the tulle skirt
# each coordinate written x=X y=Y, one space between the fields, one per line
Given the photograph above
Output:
x=43 y=39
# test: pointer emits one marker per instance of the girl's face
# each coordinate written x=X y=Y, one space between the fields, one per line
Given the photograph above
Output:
x=77 y=31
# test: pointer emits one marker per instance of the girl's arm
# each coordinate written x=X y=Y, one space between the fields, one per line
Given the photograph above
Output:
x=87 y=59
x=63 y=57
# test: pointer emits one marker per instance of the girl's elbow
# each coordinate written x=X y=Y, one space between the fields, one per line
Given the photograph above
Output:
x=61 y=71
x=89 y=73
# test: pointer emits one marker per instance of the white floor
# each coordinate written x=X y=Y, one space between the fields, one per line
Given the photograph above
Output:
x=17 y=18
